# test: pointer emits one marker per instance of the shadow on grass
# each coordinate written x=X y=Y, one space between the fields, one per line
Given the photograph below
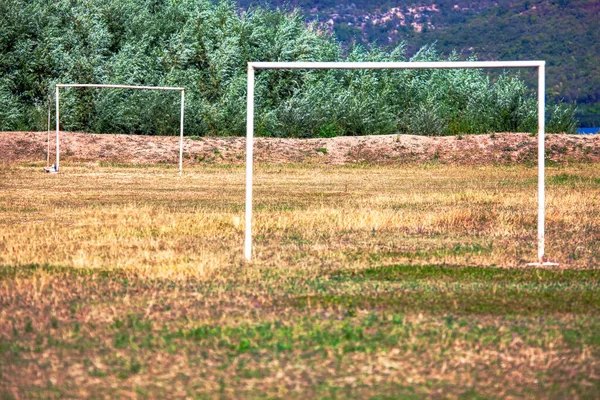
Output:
x=476 y=274
x=26 y=271
x=464 y=291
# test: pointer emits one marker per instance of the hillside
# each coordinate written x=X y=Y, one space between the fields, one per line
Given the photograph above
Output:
x=565 y=33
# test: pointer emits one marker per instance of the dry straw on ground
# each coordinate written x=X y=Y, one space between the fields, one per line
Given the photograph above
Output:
x=498 y=148
x=129 y=280
x=153 y=220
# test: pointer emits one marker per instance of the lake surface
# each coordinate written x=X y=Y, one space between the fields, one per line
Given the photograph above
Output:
x=588 y=131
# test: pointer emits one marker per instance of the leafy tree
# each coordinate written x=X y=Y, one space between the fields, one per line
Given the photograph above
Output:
x=205 y=47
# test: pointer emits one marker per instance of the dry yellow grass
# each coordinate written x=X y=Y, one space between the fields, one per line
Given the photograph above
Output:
x=123 y=281
x=151 y=221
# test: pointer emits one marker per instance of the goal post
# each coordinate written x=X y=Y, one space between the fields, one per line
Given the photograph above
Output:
x=86 y=85
x=540 y=65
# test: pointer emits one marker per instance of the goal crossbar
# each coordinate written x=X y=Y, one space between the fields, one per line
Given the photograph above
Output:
x=395 y=65
x=540 y=65
x=109 y=86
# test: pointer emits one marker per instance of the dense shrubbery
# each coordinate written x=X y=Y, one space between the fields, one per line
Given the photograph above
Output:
x=205 y=47
x=563 y=32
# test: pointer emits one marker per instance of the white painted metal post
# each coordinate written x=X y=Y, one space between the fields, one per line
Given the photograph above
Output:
x=249 y=162
x=252 y=66
x=541 y=160
x=91 y=85
x=181 y=132
x=395 y=65
x=48 y=136
x=57 y=127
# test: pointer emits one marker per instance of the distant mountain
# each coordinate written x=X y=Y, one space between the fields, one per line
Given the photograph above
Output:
x=565 y=33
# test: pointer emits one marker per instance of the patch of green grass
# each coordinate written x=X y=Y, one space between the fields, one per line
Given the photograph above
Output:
x=28 y=270
x=463 y=291
x=455 y=250
x=115 y=164
x=367 y=333
x=484 y=301
x=572 y=180
x=483 y=274
x=423 y=314
x=277 y=207
x=296 y=238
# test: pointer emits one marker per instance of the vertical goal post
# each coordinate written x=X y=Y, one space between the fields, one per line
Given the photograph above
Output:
x=86 y=85
x=541 y=90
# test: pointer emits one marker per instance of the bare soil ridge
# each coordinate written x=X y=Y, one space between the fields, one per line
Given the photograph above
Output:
x=19 y=147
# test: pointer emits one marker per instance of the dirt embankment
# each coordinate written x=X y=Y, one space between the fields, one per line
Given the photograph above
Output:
x=19 y=147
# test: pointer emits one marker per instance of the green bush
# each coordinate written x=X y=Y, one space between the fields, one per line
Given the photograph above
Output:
x=10 y=112
x=562 y=118
x=204 y=47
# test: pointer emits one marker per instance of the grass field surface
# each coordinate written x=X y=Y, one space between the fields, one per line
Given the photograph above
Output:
x=125 y=281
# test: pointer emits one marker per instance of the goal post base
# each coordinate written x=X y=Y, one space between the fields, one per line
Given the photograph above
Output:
x=51 y=170
x=543 y=264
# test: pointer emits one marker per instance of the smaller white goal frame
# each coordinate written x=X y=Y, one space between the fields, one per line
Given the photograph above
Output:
x=541 y=92
x=91 y=85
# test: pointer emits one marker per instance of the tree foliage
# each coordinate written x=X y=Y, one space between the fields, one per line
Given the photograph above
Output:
x=205 y=46
x=563 y=32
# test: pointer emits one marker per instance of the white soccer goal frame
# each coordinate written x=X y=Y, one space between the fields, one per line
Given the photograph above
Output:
x=86 y=85
x=540 y=65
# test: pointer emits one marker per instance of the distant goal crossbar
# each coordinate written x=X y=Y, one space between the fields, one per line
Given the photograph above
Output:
x=253 y=66
x=109 y=86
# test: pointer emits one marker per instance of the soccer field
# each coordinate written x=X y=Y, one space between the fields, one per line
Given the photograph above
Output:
x=366 y=280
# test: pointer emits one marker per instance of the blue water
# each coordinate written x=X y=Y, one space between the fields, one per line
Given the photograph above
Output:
x=588 y=131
